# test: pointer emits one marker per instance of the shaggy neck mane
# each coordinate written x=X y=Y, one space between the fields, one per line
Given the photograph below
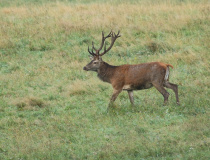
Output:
x=106 y=71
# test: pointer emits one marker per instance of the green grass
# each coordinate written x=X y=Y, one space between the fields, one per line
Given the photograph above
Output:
x=51 y=109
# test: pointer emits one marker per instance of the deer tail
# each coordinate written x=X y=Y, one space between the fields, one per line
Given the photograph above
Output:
x=167 y=71
x=169 y=65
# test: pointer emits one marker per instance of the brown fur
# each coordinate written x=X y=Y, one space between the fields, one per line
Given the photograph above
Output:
x=140 y=76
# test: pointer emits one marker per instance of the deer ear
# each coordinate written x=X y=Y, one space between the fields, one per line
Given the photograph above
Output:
x=91 y=58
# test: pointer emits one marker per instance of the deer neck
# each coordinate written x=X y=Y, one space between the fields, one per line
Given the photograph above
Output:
x=106 y=71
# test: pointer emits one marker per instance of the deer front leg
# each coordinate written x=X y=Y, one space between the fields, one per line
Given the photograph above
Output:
x=114 y=96
x=130 y=93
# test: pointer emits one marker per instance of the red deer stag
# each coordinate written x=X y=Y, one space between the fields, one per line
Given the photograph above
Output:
x=130 y=77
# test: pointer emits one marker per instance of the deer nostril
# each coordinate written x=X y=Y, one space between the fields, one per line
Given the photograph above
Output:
x=84 y=68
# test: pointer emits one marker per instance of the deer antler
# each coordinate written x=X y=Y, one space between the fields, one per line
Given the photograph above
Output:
x=111 y=34
x=114 y=37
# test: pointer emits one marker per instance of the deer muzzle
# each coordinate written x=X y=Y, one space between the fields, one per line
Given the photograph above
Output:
x=85 y=68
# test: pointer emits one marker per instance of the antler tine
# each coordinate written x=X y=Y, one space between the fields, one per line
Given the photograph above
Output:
x=92 y=53
x=110 y=34
x=114 y=37
x=93 y=46
x=103 y=40
x=118 y=34
x=104 y=47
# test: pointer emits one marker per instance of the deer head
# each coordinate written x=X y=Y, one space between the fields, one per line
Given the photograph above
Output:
x=96 y=61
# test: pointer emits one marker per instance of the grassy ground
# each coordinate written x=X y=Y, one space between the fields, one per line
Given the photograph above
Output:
x=51 y=109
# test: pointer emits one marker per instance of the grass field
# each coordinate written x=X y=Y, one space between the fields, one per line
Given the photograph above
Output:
x=51 y=109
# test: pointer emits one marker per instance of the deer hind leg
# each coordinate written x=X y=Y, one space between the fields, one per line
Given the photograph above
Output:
x=130 y=93
x=174 y=87
x=162 y=90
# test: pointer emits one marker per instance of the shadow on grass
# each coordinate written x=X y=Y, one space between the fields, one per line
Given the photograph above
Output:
x=122 y=110
x=156 y=108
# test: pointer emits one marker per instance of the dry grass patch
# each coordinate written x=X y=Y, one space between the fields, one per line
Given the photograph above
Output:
x=29 y=103
x=94 y=16
x=155 y=47
x=18 y=11
x=80 y=87
x=76 y=65
x=189 y=57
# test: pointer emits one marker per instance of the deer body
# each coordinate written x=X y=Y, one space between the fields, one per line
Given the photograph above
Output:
x=131 y=77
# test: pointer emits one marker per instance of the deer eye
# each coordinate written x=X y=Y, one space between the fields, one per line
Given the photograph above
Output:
x=94 y=62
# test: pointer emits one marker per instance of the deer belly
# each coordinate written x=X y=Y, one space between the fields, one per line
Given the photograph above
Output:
x=137 y=87
x=145 y=86
x=127 y=87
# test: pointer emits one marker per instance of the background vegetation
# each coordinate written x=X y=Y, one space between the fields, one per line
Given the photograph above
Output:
x=51 y=109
